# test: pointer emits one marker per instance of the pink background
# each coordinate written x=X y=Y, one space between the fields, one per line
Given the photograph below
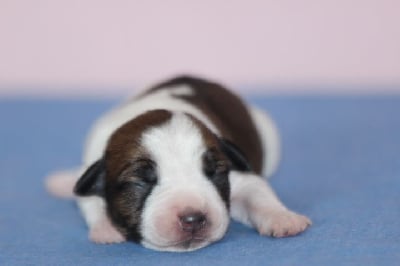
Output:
x=93 y=47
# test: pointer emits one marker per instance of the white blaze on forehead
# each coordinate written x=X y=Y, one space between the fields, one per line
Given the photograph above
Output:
x=176 y=146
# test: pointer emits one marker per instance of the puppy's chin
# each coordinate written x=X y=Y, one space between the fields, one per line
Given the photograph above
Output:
x=178 y=241
x=187 y=245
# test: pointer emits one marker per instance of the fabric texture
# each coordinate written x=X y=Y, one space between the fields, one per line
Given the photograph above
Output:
x=340 y=167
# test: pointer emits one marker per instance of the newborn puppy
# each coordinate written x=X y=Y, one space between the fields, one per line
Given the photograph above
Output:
x=168 y=168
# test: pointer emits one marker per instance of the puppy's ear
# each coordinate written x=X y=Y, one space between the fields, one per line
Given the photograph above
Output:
x=92 y=181
x=235 y=155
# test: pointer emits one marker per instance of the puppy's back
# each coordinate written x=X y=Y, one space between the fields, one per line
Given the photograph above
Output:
x=225 y=110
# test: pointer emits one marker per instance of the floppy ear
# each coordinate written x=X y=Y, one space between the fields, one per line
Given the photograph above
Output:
x=92 y=181
x=235 y=155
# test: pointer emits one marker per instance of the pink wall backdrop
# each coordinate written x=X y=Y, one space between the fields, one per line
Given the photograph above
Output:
x=73 y=47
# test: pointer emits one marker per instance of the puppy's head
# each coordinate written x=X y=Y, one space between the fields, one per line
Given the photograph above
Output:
x=164 y=178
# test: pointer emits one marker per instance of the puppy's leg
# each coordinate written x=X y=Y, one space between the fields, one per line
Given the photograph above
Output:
x=61 y=184
x=254 y=203
x=101 y=230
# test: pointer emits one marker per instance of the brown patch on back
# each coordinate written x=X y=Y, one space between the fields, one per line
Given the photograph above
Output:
x=227 y=112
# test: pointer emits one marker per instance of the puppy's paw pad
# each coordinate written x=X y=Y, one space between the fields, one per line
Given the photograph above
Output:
x=105 y=233
x=284 y=224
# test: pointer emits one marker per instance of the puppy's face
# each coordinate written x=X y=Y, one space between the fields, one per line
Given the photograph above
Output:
x=164 y=178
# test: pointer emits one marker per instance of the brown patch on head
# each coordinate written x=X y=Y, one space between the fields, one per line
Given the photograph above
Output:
x=130 y=172
x=124 y=145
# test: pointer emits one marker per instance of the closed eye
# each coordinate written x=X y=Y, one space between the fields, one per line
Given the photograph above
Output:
x=221 y=167
x=145 y=170
x=140 y=170
x=214 y=166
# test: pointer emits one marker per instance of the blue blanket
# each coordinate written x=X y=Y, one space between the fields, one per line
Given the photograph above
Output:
x=341 y=167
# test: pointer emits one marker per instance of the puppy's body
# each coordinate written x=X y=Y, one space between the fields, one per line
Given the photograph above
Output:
x=220 y=110
x=167 y=167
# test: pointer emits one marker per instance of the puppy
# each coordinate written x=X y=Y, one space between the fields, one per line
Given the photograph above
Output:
x=168 y=169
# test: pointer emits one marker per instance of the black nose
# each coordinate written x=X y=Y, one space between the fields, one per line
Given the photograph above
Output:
x=192 y=222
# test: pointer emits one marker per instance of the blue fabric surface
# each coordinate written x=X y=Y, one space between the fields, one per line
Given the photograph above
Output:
x=341 y=167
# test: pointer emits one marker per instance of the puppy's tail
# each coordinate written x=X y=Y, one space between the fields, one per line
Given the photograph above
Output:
x=61 y=184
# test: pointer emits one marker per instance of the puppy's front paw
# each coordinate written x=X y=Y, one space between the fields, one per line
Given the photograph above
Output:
x=283 y=224
x=104 y=232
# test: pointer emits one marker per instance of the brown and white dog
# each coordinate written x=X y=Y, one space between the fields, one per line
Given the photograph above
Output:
x=168 y=168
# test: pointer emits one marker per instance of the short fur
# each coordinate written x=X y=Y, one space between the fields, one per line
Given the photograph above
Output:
x=227 y=112
x=168 y=167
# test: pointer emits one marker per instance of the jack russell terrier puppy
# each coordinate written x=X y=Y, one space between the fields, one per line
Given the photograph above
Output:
x=169 y=168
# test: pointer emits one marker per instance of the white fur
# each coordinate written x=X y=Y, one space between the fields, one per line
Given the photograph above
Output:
x=255 y=204
x=177 y=147
x=92 y=208
x=173 y=145
x=270 y=140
